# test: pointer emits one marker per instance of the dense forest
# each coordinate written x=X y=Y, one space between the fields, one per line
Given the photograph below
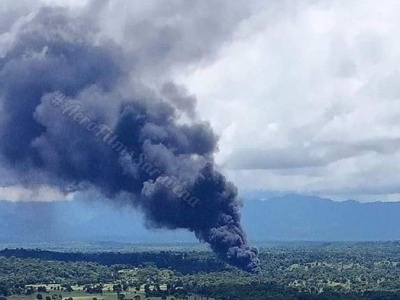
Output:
x=183 y=262
x=296 y=271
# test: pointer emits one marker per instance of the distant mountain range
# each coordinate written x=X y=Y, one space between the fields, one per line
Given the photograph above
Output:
x=284 y=218
x=306 y=218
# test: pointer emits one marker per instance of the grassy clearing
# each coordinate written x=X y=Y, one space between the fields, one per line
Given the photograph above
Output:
x=79 y=293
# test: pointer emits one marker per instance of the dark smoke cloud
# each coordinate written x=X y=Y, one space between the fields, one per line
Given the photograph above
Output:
x=169 y=174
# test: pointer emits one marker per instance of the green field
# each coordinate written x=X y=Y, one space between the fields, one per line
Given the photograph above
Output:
x=55 y=290
x=340 y=271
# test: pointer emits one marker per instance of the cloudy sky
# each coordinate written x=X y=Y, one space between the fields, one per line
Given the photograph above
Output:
x=304 y=95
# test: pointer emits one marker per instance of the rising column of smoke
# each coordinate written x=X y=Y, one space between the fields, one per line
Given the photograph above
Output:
x=51 y=55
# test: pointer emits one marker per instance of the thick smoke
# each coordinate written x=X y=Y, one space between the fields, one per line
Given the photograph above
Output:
x=70 y=120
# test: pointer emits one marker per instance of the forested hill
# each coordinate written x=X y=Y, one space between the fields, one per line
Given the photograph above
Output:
x=286 y=218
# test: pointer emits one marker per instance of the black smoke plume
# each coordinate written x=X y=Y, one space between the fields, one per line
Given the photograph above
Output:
x=72 y=117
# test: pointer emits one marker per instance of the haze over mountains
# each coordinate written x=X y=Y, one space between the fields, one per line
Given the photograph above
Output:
x=284 y=218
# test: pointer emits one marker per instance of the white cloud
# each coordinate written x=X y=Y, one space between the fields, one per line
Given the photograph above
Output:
x=306 y=98
x=66 y=3
x=41 y=193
